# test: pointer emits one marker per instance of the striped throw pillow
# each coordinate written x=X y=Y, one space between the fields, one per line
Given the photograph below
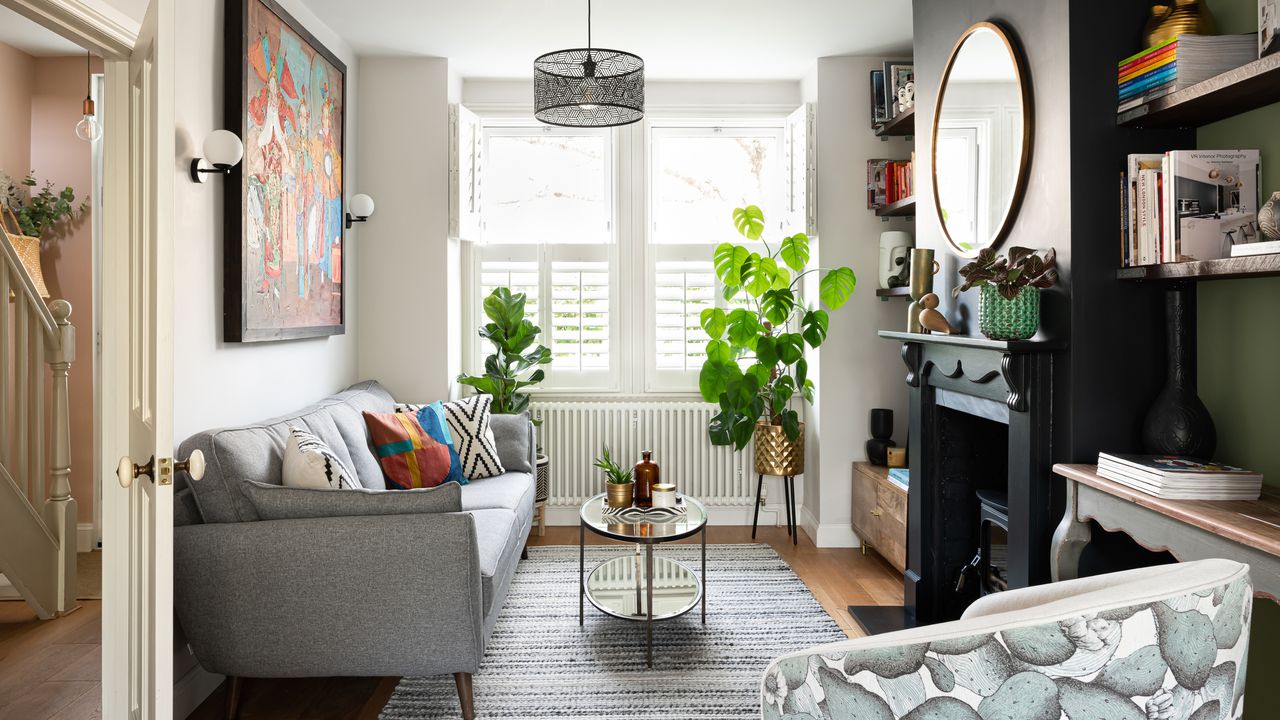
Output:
x=409 y=457
x=309 y=462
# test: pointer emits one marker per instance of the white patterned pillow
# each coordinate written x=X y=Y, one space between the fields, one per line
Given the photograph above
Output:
x=472 y=437
x=309 y=462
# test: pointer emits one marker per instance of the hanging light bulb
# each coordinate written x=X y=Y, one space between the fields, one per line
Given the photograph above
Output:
x=88 y=129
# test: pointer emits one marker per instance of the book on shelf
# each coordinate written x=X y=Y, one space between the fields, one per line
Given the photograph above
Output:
x=1180 y=478
x=1269 y=247
x=900 y=477
x=1179 y=63
x=1187 y=205
x=879 y=110
x=889 y=181
x=1268 y=27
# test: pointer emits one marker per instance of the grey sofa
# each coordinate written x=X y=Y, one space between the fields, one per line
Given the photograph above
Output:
x=373 y=595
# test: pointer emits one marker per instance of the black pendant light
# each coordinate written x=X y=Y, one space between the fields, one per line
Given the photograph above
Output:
x=588 y=87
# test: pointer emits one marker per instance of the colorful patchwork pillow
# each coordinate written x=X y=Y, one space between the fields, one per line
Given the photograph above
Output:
x=410 y=458
x=309 y=462
x=431 y=418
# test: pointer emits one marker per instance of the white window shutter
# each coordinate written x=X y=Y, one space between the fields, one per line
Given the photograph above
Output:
x=466 y=163
x=802 y=172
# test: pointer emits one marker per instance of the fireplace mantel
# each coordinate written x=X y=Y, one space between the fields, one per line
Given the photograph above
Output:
x=955 y=384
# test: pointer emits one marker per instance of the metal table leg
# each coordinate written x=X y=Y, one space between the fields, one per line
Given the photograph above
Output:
x=704 y=573
x=648 y=577
x=755 y=516
x=795 y=524
x=786 y=502
x=582 y=562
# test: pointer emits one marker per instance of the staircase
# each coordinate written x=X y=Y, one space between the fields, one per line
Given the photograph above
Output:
x=37 y=512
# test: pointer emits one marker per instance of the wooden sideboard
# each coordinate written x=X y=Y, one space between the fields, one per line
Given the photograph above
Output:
x=880 y=513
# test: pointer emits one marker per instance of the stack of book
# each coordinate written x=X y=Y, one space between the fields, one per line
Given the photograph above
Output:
x=1188 y=205
x=1179 y=63
x=1178 y=478
x=889 y=181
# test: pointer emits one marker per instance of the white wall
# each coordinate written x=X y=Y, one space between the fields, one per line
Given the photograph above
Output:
x=218 y=383
x=856 y=370
x=406 y=276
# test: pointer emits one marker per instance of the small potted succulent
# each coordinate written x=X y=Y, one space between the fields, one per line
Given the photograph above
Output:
x=617 y=479
x=1009 y=304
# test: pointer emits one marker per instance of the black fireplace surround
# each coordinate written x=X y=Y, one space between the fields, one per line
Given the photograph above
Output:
x=981 y=420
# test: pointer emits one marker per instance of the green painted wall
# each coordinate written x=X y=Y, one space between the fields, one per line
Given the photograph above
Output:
x=1239 y=348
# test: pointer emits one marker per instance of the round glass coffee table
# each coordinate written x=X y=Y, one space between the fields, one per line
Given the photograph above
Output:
x=620 y=586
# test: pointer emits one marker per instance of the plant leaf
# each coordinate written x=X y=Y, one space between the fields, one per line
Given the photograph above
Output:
x=837 y=287
x=767 y=351
x=728 y=259
x=815 y=324
x=744 y=328
x=776 y=305
x=802 y=372
x=790 y=348
x=758 y=274
x=714 y=322
x=791 y=424
x=795 y=251
x=760 y=372
x=749 y=221
x=715 y=377
x=807 y=390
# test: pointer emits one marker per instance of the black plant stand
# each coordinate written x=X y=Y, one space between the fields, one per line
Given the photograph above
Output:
x=789 y=490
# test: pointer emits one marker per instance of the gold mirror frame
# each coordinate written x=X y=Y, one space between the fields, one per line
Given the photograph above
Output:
x=1028 y=130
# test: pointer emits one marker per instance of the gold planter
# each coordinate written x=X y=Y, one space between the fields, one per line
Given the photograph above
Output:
x=620 y=495
x=775 y=454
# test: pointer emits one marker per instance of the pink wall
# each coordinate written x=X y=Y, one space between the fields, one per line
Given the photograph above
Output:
x=42 y=102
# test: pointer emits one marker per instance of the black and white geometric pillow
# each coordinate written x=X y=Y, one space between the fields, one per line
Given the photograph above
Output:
x=472 y=437
x=309 y=462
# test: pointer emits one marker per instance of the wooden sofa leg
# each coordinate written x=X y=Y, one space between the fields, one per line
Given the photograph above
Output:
x=233 y=697
x=524 y=552
x=463 y=681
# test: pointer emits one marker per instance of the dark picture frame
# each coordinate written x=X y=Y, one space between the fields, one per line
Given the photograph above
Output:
x=264 y=298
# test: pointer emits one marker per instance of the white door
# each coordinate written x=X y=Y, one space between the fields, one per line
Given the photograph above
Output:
x=138 y=292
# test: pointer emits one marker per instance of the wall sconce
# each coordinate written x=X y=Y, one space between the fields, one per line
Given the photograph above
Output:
x=223 y=150
x=361 y=209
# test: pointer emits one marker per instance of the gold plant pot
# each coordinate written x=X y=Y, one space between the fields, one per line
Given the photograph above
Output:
x=775 y=454
x=620 y=495
x=1178 y=17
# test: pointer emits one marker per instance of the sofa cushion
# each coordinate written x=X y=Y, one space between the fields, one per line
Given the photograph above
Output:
x=309 y=462
x=409 y=457
x=513 y=437
x=500 y=542
x=469 y=423
x=431 y=418
x=275 y=502
x=508 y=491
x=255 y=452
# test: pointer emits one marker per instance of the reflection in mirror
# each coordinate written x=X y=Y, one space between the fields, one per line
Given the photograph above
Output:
x=980 y=140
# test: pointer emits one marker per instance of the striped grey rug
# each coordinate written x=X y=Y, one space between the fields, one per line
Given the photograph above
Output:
x=540 y=664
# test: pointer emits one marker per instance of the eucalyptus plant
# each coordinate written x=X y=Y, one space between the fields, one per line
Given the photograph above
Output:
x=513 y=337
x=1023 y=267
x=38 y=210
x=768 y=337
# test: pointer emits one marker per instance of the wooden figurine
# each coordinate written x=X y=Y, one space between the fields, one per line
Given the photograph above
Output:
x=931 y=319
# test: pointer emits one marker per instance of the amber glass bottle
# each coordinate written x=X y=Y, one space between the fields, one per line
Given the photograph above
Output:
x=646 y=477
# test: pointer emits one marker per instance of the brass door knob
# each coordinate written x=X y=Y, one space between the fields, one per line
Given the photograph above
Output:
x=193 y=465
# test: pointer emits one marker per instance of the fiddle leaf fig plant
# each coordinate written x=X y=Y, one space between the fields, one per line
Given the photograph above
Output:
x=513 y=336
x=755 y=364
x=1023 y=267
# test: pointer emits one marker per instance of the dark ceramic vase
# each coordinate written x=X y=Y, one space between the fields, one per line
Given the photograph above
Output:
x=878 y=451
x=882 y=423
x=1178 y=423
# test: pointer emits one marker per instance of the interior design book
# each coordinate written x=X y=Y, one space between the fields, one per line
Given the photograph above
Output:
x=1212 y=203
x=1268 y=27
x=1174 y=477
x=1269 y=247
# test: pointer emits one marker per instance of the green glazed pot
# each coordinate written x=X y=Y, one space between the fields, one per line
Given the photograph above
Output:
x=1001 y=319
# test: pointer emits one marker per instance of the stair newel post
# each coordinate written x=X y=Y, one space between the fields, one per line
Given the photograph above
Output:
x=60 y=508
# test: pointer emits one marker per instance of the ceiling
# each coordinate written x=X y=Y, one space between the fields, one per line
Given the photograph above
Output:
x=678 y=39
x=33 y=39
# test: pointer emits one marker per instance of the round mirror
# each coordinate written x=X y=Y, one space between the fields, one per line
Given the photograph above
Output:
x=981 y=139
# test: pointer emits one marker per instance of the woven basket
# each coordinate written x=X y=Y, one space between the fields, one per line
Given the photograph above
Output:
x=27 y=247
x=775 y=454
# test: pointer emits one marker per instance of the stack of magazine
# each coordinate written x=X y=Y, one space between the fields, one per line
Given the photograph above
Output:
x=1179 y=478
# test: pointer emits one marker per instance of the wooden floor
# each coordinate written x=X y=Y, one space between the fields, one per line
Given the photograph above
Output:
x=49 y=670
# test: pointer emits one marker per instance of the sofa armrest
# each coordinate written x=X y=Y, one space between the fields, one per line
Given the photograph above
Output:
x=393 y=595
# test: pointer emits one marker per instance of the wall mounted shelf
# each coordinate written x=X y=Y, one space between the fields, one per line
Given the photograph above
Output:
x=902 y=124
x=886 y=293
x=1237 y=91
x=1224 y=269
x=906 y=207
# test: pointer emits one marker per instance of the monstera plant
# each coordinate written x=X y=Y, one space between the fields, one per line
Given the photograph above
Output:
x=755 y=362
x=513 y=337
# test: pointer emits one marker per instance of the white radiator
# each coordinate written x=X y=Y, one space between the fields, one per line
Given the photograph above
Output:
x=573 y=433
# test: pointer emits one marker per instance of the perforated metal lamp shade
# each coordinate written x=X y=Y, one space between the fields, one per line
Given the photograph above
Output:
x=584 y=87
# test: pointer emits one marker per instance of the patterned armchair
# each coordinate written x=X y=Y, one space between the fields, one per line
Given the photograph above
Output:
x=1162 y=643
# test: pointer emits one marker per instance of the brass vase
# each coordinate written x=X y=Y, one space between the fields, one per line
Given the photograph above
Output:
x=619 y=495
x=1181 y=17
x=923 y=268
x=777 y=455
x=646 y=474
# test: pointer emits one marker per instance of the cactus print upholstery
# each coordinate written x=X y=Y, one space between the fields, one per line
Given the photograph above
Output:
x=1180 y=656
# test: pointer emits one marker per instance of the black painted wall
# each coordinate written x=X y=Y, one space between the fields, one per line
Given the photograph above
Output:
x=1113 y=365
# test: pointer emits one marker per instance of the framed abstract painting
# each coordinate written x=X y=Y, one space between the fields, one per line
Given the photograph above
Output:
x=283 y=258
